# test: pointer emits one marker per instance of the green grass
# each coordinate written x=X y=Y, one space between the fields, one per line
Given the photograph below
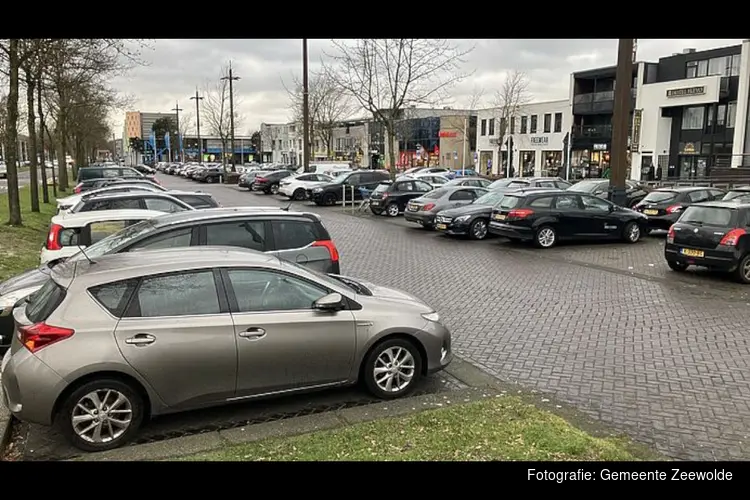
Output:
x=20 y=246
x=499 y=428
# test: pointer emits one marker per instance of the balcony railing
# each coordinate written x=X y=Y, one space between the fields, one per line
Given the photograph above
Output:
x=592 y=131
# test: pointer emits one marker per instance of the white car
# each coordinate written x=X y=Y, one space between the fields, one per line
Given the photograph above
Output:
x=3 y=171
x=434 y=180
x=72 y=233
x=296 y=186
x=64 y=205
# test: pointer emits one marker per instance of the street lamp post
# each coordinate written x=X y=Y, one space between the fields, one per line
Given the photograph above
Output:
x=231 y=78
x=305 y=111
x=198 y=124
x=177 y=110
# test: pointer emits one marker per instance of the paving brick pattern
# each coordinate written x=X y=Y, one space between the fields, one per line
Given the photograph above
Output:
x=664 y=358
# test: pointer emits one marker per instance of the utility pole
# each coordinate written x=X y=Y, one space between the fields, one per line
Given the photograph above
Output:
x=177 y=110
x=198 y=124
x=114 y=146
x=305 y=111
x=621 y=121
x=231 y=78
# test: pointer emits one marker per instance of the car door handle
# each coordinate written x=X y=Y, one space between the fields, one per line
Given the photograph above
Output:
x=141 y=339
x=253 y=334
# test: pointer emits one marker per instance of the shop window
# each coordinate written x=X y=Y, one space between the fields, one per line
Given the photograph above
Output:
x=552 y=163
x=692 y=118
x=528 y=161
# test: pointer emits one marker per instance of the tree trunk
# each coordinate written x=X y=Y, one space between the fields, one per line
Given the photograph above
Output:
x=62 y=164
x=45 y=189
x=79 y=151
x=33 y=150
x=390 y=134
x=11 y=130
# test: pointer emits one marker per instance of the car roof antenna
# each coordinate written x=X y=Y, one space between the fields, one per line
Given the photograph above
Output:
x=85 y=255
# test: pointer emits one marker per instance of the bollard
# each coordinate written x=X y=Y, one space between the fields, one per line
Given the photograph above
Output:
x=343 y=196
x=353 y=204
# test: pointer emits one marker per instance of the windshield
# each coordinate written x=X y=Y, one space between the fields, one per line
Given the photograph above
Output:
x=709 y=216
x=500 y=183
x=660 y=196
x=585 y=186
x=731 y=195
x=326 y=279
x=103 y=247
x=491 y=198
x=435 y=194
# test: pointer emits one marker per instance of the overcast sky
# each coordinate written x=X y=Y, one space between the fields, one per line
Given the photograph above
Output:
x=176 y=67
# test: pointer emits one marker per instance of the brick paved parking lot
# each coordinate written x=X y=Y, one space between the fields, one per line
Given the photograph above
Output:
x=660 y=356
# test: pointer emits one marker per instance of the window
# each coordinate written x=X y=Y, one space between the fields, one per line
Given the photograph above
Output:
x=462 y=195
x=95 y=206
x=533 y=124
x=108 y=173
x=691 y=69
x=130 y=173
x=546 y=184
x=721 y=113
x=403 y=187
x=544 y=202
x=422 y=187
x=70 y=237
x=720 y=66
x=504 y=126
x=196 y=201
x=710 y=216
x=260 y=291
x=731 y=114
x=184 y=294
x=734 y=69
x=567 y=201
x=170 y=239
x=114 y=296
x=558 y=123
x=244 y=234
x=562 y=184
x=100 y=230
x=512 y=125
x=547 y=123
x=692 y=118
x=702 y=69
x=524 y=124
x=716 y=194
x=492 y=127
x=483 y=128
x=288 y=234
x=162 y=205
x=698 y=196
x=44 y=302
x=593 y=204
x=353 y=180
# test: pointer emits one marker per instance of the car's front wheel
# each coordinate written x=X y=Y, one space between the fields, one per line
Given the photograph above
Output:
x=478 y=229
x=274 y=189
x=392 y=369
x=101 y=415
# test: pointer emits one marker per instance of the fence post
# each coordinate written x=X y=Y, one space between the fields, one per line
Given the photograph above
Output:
x=343 y=196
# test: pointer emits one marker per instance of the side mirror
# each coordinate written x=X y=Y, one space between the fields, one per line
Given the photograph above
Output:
x=330 y=302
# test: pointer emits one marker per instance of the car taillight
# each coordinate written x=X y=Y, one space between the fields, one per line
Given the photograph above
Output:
x=732 y=237
x=520 y=213
x=674 y=209
x=53 y=238
x=428 y=207
x=328 y=244
x=35 y=337
x=77 y=189
x=670 y=235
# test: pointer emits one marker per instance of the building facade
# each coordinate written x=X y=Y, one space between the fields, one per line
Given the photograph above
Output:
x=534 y=142
x=139 y=124
x=215 y=151
x=281 y=143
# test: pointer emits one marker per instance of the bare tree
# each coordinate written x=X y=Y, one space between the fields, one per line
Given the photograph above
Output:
x=15 y=59
x=509 y=101
x=217 y=112
x=385 y=76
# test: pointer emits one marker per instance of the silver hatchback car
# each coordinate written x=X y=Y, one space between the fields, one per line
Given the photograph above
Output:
x=107 y=343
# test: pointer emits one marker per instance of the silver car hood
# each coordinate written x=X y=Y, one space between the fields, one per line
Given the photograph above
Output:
x=394 y=295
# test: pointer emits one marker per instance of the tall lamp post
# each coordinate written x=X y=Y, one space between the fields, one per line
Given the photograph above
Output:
x=177 y=110
x=620 y=121
x=305 y=111
x=231 y=78
x=198 y=124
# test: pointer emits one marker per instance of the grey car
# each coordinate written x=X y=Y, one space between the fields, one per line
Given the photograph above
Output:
x=105 y=345
x=468 y=181
x=134 y=200
x=424 y=209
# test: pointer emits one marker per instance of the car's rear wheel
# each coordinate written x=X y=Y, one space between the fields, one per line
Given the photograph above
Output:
x=392 y=368
x=274 y=188
x=632 y=232
x=742 y=273
x=299 y=194
x=679 y=267
x=101 y=415
x=545 y=237
x=392 y=210
x=478 y=229
x=376 y=211
x=329 y=199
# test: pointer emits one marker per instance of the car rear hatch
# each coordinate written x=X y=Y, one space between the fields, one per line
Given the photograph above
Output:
x=658 y=203
x=506 y=210
x=381 y=191
x=702 y=228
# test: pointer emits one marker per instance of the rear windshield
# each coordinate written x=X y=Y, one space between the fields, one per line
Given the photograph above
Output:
x=660 y=196
x=44 y=302
x=709 y=216
x=518 y=184
x=383 y=187
x=731 y=195
x=509 y=202
x=500 y=183
x=435 y=194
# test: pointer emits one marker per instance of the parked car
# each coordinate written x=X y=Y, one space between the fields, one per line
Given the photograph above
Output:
x=462 y=173
x=195 y=199
x=664 y=206
x=269 y=182
x=95 y=172
x=546 y=217
x=739 y=193
x=351 y=183
x=424 y=209
x=524 y=182
x=65 y=204
x=143 y=181
x=145 y=169
x=3 y=171
x=392 y=197
x=435 y=180
x=246 y=180
x=118 y=335
x=473 y=219
x=209 y=174
x=634 y=192
x=137 y=200
x=296 y=186
x=714 y=235
x=469 y=181
x=72 y=233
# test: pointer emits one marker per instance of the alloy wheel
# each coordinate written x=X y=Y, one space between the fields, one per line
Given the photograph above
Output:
x=546 y=237
x=394 y=369
x=746 y=270
x=275 y=189
x=634 y=234
x=392 y=210
x=102 y=416
x=479 y=230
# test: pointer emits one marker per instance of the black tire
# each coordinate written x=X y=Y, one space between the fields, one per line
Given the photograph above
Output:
x=632 y=232
x=677 y=266
x=299 y=194
x=428 y=226
x=274 y=189
x=396 y=345
x=478 y=229
x=542 y=238
x=64 y=422
x=329 y=199
x=392 y=210
x=376 y=211
x=742 y=273
x=210 y=180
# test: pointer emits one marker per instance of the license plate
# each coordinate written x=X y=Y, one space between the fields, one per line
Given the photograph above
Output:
x=650 y=212
x=441 y=226
x=499 y=217
x=412 y=208
x=689 y=252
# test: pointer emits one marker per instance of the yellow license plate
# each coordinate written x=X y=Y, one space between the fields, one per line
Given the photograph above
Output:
x=499 y=217
x=650 y=212
x=688 y=252
x=442 y=226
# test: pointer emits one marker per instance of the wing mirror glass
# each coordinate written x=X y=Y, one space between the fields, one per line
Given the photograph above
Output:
x=330 y=302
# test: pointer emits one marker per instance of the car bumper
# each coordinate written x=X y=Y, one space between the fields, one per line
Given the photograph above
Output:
x=286 y=190
x=662 y=221
x=452 y=228
x=512 y=232
x=436 y=340
x=316 y=197
x=424 y=218
x=259 y=187
x=721 y=260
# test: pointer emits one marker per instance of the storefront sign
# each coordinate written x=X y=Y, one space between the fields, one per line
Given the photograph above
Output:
x=687 y=91
x=635 y=140
x=540 y=141
x=448 y=133
x=689 y=148
x=600 y=147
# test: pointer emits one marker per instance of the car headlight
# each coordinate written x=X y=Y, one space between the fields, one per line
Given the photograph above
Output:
x=317 y=190
x=433 y=316
x=462 y=218
x=9 y=300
